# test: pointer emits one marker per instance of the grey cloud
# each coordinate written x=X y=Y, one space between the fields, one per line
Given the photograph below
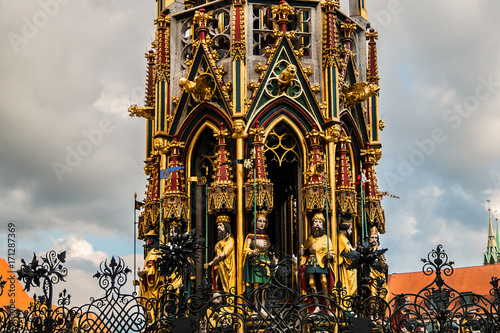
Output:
x=85 y=64
x=430 y=58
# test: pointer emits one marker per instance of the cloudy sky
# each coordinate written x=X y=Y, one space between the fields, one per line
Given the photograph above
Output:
x=71 y=158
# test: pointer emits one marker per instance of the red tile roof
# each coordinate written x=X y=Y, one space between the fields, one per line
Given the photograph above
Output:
x=467 y=279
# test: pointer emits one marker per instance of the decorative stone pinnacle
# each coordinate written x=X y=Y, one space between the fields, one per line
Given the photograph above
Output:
x=150 y=55
x=372 y=35
x=347 y=29
x=330 y=5
x=201 y=17
x=162 y=21
x=315 y=134
x=224 y=133
x=257 y=132
x=283 y=10
x=369 y=154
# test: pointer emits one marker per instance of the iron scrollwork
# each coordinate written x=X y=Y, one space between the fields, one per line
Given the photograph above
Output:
x=436 y=308
x=2 y=285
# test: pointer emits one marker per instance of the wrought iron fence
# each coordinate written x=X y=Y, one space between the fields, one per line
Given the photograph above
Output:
x=273 y=307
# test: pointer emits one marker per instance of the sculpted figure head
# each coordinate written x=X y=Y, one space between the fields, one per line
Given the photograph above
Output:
x=223 y=227
x=373 y=238
x=183 y=82
x=239 y=126
x=345 y=225
x=373 y=89
x=151 y=271
x=318 y=225
x=291 y=70
x=261 y=222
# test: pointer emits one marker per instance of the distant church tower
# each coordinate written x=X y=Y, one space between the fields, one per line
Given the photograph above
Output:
x=491 y=256
x=293 y=86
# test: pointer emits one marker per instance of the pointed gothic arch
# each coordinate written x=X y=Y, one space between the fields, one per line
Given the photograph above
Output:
x=200 y=162
x=286 y=107
x=286 y=156
x=204 y=113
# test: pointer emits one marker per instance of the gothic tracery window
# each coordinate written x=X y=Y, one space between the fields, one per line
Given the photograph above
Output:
x=219 y=31
x=264 y=24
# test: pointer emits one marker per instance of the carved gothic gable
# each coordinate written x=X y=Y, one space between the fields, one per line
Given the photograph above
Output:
x=283 y=77
x=204 y=84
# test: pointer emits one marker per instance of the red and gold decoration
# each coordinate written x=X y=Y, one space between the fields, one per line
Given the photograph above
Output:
x=240 y=90
x=373 y=77
x=282 y=11
x=175 y=200
x=222 y=191
x=149 y=218
x=148 y=110
x=376 y=125
x=162 y=42
x=347 y=28
x=314 y=192
x=330 y=50
x=238 y=43
x=373 y=208
x=258 y=187
x=201 y=18
x=345 y=189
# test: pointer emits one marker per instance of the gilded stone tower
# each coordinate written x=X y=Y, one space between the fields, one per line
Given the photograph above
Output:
x=261 y=106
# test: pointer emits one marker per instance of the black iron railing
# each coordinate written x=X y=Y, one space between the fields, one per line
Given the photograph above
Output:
x=273 y=307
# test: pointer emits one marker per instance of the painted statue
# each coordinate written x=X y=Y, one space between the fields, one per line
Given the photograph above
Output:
x=358 y=93
x=224 y=264
x=286 y=77
x=176 y=279
x=348 y=277
x=149 y=282
x=149 y=278
x=375 y=275
x=256 y=261
x=317 y=258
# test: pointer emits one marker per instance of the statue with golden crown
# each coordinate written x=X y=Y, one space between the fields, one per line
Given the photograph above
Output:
x=378 y=280
x=317 y=259
x=348 y=277
x=223 y=266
